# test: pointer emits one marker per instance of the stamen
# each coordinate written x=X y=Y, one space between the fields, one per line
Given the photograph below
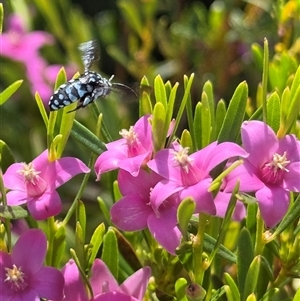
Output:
x=273 y=172
x=16 y=278
x=182 y=159
x=29 y=173
x=130 y=135
x=279 y=163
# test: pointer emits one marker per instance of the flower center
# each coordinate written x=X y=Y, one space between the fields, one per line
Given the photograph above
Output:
x=273 y=171
x=182 y=159
x=29 y=173
x=134 y=146
x=129 y=135
x=34 y=183
x=16 y=278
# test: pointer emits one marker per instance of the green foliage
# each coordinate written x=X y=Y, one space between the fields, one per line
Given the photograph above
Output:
x=202 y=71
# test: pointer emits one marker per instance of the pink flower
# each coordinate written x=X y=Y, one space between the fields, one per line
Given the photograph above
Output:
x=134 y=211
x=104 y=285
x=22 y=274
x=130 y=152
x=23 y=46
x=271 y=170
x=188 y=175
x=35 y=183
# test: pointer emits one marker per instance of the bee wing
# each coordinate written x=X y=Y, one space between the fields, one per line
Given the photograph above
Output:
x=123 y=89
x=89 y=53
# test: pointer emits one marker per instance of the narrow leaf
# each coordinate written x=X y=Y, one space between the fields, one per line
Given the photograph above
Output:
x=96 y=241
x=234 y=115
x=87 y=138
x=245 y=256
x=10 y=90
x=110 y=253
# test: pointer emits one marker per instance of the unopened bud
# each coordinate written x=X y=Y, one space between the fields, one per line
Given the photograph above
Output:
x=195 y=292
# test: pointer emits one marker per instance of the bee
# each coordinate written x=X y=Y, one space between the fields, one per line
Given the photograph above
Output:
x=88 y=86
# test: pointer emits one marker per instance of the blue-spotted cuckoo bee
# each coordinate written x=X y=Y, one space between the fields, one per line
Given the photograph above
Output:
x=88 y=86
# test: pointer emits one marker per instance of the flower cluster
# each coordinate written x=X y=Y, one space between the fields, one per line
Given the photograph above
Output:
x=19 y=44
x=23 y=276
x=154 y=185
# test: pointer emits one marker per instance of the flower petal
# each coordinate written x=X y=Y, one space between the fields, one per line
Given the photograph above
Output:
x=143 y=130
x=291 y=180
x=74 y=289
x=161 y=191
x=164 y=228
x=30 y=250
x=136 y=284
x=49 y=283
x=101 y=275
x=49 y=204
x=13 y=179
x=141 y=184
x=273 y=203
x=131 y=212
x=108 y=161
x=16 y=198
x=133 y=164
x=248 y=176
x=217 y=155
x=62 y=170
x=260 y=141
x=113 y=296
x=291 y=145
x=199 y=193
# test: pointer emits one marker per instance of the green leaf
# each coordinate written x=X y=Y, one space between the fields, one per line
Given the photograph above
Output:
x=258 y=56
x=84 y=136
x=206 y=120
x=132 y=13
x=252 y=277
x=96 y=241
x=186 y=139
x=82 y=271
x=12 y=212
x=79 y=244
x=110 y=253
x=220 y=116
x=234 y=115
x=245 y=256
x=42 y=109
x=184 y=213
x=180 y=286
x=9 y=91
x=273 y=111
x=160 y=91
x=1 y=17
x=198 y=126
x=6 y=156
x=251 y=220
x=187 y=85
x=265 y=77
x=297 y=295
x=104 y=209
x=233 y=287
x=59 y=246
x=81 y=217
x=270 y=294
x=158 y=126
x=226 y=221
